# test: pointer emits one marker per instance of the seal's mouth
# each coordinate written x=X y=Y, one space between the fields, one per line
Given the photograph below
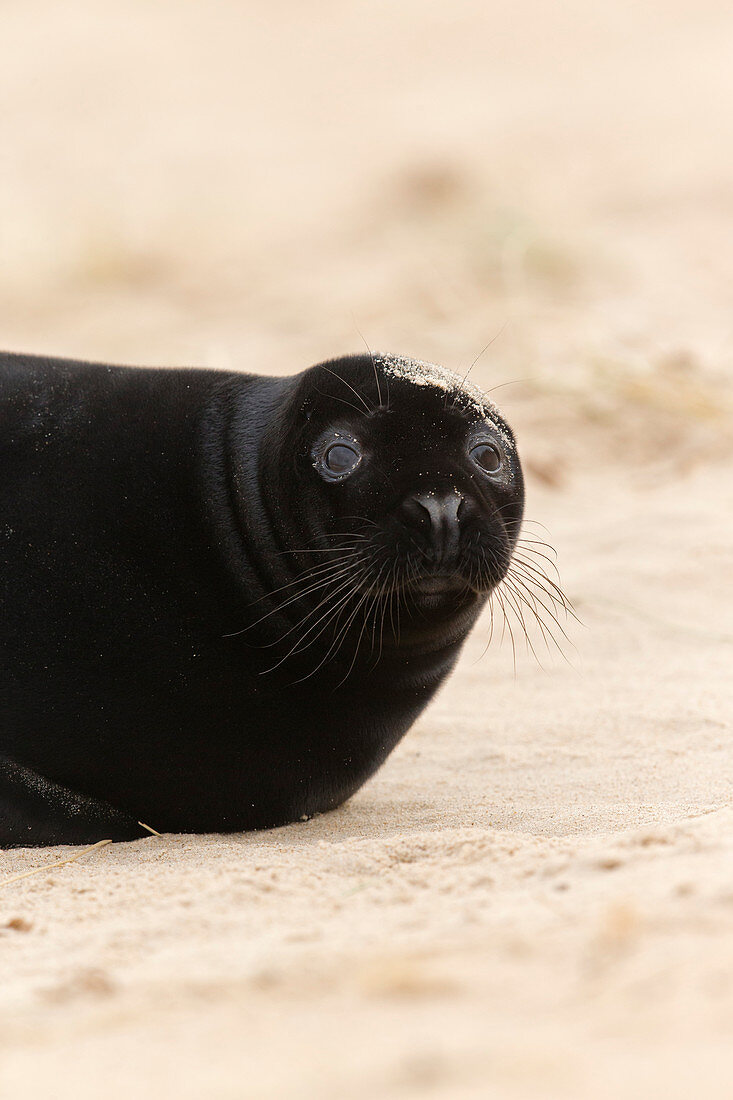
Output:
x=440 y=593
x=439 y=584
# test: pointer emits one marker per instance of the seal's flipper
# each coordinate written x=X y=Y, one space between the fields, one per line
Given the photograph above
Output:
x=34 y=811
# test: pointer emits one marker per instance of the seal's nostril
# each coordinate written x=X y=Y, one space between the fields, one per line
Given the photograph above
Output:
x=442 y=511
x=417 y=508
x=437 y=509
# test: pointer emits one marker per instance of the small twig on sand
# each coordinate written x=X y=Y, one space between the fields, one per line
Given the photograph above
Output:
x=58 y=863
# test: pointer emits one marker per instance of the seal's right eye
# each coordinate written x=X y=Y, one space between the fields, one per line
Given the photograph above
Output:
x=340 y=460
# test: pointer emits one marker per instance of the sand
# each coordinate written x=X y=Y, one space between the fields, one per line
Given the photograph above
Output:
x=534 y=896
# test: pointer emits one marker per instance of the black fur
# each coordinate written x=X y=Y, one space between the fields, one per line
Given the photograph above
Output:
x=149 y=523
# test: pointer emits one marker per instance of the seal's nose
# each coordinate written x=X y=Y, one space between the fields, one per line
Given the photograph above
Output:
x=437 y=515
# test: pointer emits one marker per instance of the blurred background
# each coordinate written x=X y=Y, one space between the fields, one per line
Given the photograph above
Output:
x=264 y=185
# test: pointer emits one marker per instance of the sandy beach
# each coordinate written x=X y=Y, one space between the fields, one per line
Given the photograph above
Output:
x=534 y=896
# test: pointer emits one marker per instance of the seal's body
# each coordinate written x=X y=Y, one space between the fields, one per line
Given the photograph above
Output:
x=224 y=598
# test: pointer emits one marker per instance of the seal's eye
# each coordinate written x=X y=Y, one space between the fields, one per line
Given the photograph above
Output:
x=340 y=460
x=488 y=457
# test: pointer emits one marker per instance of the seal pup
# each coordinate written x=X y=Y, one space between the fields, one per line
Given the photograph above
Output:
x=225 y=597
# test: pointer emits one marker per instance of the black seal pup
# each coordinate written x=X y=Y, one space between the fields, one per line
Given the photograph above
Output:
x=225 y=597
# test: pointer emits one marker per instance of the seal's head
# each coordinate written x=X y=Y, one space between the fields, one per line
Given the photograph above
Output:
x=402 y=489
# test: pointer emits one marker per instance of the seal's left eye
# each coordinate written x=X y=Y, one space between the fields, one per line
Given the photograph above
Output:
x=341 y=459
x=488 y=457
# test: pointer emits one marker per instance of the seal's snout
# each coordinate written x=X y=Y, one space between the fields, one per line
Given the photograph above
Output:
x=437 y=517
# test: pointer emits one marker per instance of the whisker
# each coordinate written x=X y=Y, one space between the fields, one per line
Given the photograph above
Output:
x=484 y=349
x=515 y=603
x=542 y=626
x=337 y=641
x=341 y=400
x=321 y=576
x=355 y=392
x=361 y=635
x=374 y=365
x=347 y=589
x=346 y=584
x=536 y=576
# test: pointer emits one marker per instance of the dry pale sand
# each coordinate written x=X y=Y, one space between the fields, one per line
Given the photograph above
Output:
x=534 y=897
